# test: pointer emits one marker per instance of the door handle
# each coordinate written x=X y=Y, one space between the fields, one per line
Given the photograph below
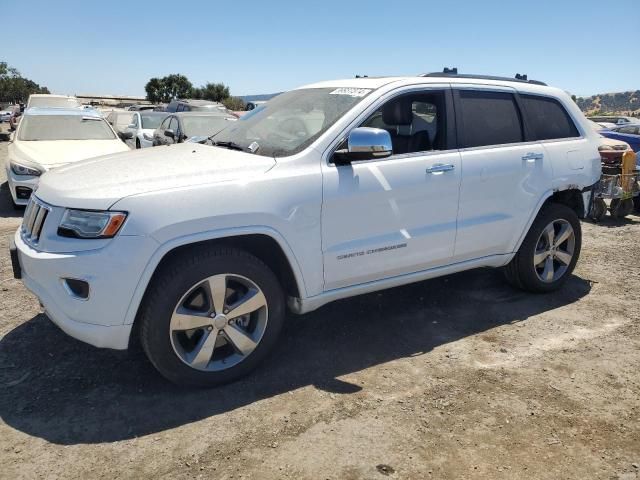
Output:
x=440 y=168
x=532 y=157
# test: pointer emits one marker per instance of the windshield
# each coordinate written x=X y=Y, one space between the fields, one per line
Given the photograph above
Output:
x=290 y=122
x=204 y=125
x=64 y=127
x=152 y=121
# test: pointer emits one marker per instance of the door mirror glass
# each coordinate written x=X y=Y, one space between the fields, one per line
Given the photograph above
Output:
x=365 y=143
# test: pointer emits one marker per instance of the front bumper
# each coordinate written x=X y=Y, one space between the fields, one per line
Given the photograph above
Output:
x=112 y=272
x=24 y=181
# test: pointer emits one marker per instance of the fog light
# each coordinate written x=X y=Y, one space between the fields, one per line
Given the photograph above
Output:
x=78 y=288
x=23 y=193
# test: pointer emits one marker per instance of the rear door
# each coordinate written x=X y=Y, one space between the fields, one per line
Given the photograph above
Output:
x=504 y=175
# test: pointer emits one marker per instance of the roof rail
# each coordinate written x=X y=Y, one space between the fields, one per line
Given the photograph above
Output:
x=453 y=73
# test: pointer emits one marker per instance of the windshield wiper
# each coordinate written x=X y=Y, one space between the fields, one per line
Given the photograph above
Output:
x=229 y=145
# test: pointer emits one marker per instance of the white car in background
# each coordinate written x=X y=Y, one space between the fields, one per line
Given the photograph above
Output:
x=139 y=131
x=47 y=138
x=42 y=100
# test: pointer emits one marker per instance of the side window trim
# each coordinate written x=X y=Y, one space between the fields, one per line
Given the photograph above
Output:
x=456 y=89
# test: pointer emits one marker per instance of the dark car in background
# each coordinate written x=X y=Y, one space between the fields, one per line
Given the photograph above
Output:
x=616 y=119
x=194 y=126
x=191 y=105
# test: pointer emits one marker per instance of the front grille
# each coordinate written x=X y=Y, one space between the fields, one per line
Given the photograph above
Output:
x=33 y=221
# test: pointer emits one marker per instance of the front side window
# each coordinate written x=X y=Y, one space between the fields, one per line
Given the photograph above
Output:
x=64 y=127
x=415 y=121
x=548 y=119
x=489 y=118
x=292 y=121
x=174 y=125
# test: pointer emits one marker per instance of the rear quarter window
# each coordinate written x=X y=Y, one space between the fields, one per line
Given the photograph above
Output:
x=547 y=118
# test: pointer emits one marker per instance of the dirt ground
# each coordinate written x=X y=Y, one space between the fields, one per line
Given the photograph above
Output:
x=459 y=377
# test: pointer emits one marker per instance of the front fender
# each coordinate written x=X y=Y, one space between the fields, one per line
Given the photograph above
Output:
x=166 y=247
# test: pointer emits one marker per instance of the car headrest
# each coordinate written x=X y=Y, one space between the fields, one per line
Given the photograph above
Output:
x=397 y=112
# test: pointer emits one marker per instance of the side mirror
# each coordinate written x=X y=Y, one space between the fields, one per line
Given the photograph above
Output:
x=364 y=143
x=132 y=125
x=126 y=135
x=169 y=133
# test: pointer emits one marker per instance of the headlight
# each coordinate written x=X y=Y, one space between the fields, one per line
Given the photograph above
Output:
x=147 y=137
x=90 y=224
x=19 y=169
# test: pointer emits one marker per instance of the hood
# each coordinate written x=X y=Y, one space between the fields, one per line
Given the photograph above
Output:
x=52 y=154
x=100 y=182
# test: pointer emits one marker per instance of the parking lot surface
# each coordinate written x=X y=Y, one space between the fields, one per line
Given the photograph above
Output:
x=458 y=377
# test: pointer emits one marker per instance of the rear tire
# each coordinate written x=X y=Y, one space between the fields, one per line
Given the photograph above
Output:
x=138 y=146
x=187 y=327
x=549 y=251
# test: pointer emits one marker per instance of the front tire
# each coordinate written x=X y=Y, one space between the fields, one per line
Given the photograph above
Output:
x=138 y=146
x=549 y=252
x=210 y=316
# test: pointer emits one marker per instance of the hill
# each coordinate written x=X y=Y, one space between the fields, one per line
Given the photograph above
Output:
x=622 y=103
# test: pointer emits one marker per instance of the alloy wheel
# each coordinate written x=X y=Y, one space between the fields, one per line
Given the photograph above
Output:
x=219 y=322
x=554 y=251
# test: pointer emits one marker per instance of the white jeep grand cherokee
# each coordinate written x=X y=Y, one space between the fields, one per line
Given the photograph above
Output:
x=328 y=191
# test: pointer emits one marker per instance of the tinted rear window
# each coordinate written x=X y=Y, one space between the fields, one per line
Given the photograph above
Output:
x=548 y=119
x=489 y=118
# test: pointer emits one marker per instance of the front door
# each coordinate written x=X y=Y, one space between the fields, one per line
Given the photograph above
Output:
x=388 y=217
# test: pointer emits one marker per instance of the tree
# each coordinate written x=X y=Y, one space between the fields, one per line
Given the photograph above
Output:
x=154 y=90
x=14 y=87
x=234 y=103
x=215 y=92
x=165 y=89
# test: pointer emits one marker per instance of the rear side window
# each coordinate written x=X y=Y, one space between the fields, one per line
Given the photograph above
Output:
x=489 y=118
x=547 y=118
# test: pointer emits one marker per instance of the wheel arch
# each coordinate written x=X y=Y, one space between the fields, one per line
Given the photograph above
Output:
x=572 y=197
x=265 y=244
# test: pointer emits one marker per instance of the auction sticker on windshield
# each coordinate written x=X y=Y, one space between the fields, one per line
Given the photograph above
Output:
x=352 y=92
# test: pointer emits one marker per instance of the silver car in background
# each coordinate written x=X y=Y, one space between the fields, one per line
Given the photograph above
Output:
x=139 y=132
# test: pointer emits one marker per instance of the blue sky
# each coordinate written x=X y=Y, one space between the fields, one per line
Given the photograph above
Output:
x=114 y=47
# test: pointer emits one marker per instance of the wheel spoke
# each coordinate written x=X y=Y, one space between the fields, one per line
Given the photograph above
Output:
x=550 y=233
x=565 y=233
x=202 y=353
x=239 y=339
x=540 y=256
x=548 y=272
x=188 y=321
x=564 y=257
x=252 y=301
x=218 y=291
